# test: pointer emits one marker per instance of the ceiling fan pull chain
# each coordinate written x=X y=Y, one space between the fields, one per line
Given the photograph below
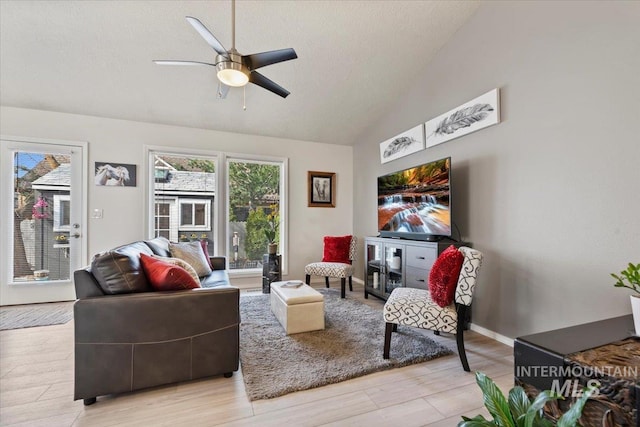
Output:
x=244 y=98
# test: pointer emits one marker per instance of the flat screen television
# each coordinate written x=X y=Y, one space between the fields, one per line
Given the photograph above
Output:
x=415 y=203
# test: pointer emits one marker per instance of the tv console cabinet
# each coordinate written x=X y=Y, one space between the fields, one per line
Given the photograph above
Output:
x=390 y=263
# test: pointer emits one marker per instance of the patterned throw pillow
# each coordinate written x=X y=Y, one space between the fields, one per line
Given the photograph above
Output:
x=179 y=263
x=336 y=249
x=164 y=276
x=443 y=277
x=193 y=254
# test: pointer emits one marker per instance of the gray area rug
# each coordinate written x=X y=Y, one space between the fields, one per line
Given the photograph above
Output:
x=30 y=315
x=351 y=345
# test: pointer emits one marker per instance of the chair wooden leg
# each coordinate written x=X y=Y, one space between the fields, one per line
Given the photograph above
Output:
x=307 y=279
x=395 y=327
x=436 y=332
x=342 y=285
x=460 y=338
x=350 y=284
x=389 y=327
x=326 y=281
x=461 y=352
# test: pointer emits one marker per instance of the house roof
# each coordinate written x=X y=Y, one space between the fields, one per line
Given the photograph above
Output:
x=188 y=182
x=58 y=177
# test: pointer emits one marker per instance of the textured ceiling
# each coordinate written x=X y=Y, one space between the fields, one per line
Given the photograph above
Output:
x=95 y=58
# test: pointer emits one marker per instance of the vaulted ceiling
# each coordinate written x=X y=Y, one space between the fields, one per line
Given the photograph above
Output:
x=95 y=58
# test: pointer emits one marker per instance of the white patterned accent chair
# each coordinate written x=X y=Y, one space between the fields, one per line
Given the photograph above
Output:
x=338 y=270
x=414 y=307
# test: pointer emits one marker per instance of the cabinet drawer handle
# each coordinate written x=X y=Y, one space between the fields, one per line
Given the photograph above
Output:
x=420 y=257
x=420 y=280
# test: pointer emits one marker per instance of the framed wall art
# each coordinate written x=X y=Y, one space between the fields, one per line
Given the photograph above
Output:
x=471 y=116
x=406 y=143
x=322 y=190
x=115 y=174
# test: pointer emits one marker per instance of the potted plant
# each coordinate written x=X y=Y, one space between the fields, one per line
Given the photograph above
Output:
x=630 y=278
x=518 y=410
x=271 y=232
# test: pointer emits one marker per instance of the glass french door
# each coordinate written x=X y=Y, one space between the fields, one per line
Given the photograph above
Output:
x=43 y=235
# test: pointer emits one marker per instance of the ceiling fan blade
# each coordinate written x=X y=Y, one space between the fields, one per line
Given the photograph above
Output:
x=260 y=80
x=257 y=60
x=207 y=36
x=223 y=89
x=172 y=62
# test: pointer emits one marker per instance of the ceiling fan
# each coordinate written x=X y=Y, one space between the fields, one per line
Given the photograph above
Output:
x=233 y=68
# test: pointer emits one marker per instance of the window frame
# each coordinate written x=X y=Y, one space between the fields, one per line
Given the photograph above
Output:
x=283 y=247
x=58 y=200
x=220 y=226
x=207 y=214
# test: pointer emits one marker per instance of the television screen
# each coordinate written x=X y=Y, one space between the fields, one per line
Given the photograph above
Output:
x=415 y=203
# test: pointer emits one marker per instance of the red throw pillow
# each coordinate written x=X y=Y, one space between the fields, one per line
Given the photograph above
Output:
x=444 y=276
x=336 y=249
x=166 y=277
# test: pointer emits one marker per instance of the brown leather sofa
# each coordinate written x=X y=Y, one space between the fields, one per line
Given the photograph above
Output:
x=131 y=337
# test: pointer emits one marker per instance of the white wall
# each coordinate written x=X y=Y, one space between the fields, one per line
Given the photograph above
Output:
x=552 y=194
x=122 y=141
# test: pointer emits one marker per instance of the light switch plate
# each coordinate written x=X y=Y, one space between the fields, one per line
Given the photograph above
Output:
x=97 y=214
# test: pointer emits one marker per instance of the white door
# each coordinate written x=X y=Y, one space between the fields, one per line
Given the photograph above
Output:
x=42 y=199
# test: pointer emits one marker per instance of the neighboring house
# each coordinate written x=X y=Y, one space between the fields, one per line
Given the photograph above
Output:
x=49 y=247
x=183 y=201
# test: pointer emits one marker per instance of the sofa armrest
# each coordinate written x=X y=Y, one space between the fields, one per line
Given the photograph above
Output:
x=219 y=262
x=155 y=316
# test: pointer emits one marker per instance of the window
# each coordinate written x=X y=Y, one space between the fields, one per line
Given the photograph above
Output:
x=195 y=214
x=162 y=219
x=254 y=210
x=61 y=212
x=185 y=205
x=183 y=189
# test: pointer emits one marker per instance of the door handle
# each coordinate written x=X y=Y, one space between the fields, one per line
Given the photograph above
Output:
x=75 y=235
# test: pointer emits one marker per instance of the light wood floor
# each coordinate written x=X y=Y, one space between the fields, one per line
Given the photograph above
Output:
x=36 y=389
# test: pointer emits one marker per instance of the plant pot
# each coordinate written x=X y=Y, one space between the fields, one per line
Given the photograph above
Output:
x=273 y=248
x=635 y=309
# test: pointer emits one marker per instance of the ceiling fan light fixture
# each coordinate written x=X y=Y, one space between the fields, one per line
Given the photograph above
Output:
x=232 y=74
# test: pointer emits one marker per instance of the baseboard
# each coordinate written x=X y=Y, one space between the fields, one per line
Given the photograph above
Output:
x=491 y=334
x=358 y=281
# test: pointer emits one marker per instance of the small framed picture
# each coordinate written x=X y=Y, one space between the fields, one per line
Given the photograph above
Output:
x=322 y=191
x=115 y=174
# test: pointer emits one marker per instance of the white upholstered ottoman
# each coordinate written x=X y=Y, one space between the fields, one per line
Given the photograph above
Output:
x=298 y=309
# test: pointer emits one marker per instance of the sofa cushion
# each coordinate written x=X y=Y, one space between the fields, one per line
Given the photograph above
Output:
x=205 y=248
x=443 y=277
x=118 y=271
x=336 y=249
x=180 y=263
x=216 y=279
x=159 y=246
x=165 y=276
x=193 y=254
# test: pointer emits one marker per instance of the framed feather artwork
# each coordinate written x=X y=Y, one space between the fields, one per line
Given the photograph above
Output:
x=406 y=143
x=474 y=115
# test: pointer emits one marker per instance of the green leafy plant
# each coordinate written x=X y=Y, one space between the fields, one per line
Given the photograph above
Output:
x=518 y=410
x=628 y=278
